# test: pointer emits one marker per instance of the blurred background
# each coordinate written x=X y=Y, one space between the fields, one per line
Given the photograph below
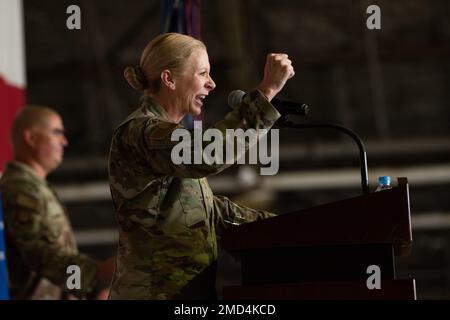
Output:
x=391 y=86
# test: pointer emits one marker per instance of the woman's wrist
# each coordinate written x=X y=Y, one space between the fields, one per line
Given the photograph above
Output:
x=267 y=92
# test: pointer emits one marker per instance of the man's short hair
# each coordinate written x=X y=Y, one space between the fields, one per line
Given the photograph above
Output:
x=27 y=118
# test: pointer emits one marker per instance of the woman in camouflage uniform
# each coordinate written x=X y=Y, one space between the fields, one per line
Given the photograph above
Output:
x=167 y=213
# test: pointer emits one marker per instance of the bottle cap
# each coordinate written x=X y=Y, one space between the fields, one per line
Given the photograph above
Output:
x=384 y=180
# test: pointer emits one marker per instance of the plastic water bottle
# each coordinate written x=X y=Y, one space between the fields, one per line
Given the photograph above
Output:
x=384 y=183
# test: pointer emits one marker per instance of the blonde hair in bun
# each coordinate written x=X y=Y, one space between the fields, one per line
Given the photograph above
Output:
x=166 y=51
x=135 y=78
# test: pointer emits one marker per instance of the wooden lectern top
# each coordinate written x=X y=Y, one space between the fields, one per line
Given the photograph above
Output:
x=377 y=218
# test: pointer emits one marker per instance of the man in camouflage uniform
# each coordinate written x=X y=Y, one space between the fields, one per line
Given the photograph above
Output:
x=40 y=244
x=167 y=213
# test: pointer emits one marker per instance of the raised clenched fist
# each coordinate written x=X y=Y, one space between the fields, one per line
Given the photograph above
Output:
x=277 y=71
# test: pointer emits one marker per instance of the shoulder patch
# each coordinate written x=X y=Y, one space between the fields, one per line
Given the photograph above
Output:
x=162 y=130
x=27 y=201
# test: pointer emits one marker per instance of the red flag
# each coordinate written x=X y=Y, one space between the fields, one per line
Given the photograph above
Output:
x=12 y=71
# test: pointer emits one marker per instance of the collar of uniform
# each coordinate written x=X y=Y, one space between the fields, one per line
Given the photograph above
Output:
x=154 y=107
x=16 y=166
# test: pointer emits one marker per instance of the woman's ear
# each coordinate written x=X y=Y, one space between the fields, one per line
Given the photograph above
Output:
x=167 y=79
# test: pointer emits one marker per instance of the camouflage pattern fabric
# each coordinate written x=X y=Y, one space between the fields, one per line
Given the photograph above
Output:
x=167 y=214
x=39 y=240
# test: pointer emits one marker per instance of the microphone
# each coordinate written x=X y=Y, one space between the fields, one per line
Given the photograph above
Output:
x=284 y=107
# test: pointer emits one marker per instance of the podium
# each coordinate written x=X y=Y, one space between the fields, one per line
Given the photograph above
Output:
x=330 y=251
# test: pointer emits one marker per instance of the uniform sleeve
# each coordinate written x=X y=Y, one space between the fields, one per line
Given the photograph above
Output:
x=156 y=146
x=26 y=226
x=229 y=213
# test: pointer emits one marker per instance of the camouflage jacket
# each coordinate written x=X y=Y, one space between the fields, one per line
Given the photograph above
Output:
x=167 y=214
x=40 y=244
